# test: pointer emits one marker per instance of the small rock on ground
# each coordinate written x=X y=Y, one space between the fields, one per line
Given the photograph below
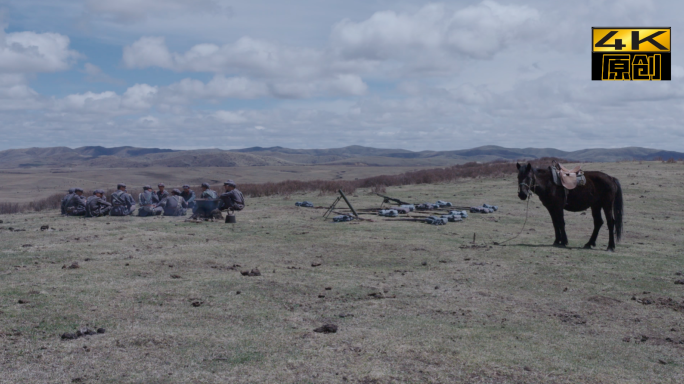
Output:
x=73 y=265
x=327 y=328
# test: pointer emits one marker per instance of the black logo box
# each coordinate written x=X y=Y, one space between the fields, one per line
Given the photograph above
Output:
x=597 y=63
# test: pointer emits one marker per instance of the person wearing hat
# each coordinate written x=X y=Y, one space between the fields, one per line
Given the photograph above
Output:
x=161 y=193
x=76 y=206
x=204 y=211
x=174 y=205
x=189 y=196
x=97 y=205
x=148 y=203
x=208 y=193
x=122 y=202
x=66 y=199
x=232 y=198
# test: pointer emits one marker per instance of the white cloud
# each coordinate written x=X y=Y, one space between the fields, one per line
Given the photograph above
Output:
x=478 y=31
x=30 y=52
x=219 y=87
x=136 y=99
x=89 y=102
x=278 y=71
x=149 y=121
x=128 y=11
x=139 y=96
x=247 y=55
x=148 y=52
x=229 y=117
x=15 y=94
x=386 y=44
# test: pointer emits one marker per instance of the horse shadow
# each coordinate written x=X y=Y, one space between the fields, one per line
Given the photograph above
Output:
x=549 y=246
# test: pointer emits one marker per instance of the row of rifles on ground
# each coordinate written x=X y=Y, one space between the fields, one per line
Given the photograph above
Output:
x=151 y=203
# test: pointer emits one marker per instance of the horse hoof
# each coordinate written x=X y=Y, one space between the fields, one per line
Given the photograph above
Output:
x=587 y=246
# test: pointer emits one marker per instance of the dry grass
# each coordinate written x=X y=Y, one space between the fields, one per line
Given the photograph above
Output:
x=526 y=312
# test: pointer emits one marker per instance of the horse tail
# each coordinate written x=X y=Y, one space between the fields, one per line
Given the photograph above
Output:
x=618 y=210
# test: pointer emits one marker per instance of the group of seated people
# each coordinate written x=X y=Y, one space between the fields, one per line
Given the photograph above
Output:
x=151 y=203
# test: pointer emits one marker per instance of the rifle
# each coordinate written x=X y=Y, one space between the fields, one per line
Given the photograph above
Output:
x=387 y=199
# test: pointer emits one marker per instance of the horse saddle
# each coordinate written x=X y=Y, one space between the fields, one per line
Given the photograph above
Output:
x=568 y=178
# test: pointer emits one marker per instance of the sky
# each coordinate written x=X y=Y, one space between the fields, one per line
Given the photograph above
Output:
x=188 y=74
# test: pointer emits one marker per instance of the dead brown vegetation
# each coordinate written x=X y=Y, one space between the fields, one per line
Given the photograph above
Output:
x=376 y=183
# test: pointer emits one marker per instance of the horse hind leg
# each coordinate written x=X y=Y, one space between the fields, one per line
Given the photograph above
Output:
x=559 y=228
x=560 y=223
x=608 y=211
x=598 y=222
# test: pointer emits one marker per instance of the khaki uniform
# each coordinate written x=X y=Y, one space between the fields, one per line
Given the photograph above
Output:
x=174 y=206
x=232 y=200
x=97 y=206
x=76 y=206
x=148 y=201
x=122 y=204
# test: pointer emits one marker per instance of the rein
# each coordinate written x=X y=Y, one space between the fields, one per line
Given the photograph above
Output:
x=530 y=190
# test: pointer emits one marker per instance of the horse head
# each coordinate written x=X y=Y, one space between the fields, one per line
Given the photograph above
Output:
x=526 y=180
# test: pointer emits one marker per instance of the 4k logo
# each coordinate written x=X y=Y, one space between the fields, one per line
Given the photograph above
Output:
x=631 y=54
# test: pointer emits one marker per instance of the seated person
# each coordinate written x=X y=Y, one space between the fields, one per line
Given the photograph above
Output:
x=161 y=193
x=232 y=199
x=148 y=203
x=122 y=202
x=76 y=206
x=174 y=205
x=204 y=209
x=66 y=199
x=97 y=205
x=189 y=196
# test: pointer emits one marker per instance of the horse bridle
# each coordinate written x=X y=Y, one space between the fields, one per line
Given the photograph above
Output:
x=530 y=186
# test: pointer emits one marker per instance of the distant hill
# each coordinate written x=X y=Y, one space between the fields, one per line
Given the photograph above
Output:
x=132 y=157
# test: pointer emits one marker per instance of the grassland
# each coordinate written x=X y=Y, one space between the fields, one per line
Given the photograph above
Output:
x=414 y=303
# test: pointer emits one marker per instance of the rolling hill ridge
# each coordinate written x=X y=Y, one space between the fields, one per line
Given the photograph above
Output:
x=132 y=157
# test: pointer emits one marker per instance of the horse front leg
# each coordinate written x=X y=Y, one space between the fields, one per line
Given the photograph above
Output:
x=556 y=228
x=598 y=222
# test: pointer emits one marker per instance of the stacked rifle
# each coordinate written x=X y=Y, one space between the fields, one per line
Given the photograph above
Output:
x=438 y=213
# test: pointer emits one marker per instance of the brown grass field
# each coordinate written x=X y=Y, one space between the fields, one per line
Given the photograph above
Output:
x=24 y=185
x=414 y=303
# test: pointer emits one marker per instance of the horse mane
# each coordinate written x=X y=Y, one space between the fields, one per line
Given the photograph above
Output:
x=543 y=172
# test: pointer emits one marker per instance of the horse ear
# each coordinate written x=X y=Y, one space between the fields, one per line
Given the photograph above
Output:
x=517 y=165
x=529 y=167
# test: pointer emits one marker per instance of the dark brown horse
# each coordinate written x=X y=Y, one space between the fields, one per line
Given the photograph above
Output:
x=601 y=192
